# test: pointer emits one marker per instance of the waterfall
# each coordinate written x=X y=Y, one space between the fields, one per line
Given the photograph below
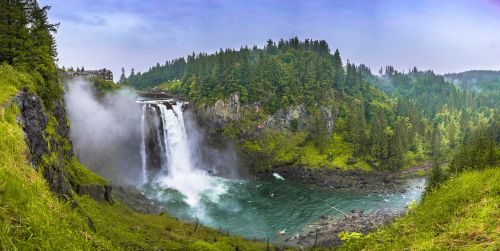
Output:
x=143 y=144
x=181 y=175
x=158 y=124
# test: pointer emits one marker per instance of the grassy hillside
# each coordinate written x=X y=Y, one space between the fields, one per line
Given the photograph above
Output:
x=32 y=217
x=463 y=213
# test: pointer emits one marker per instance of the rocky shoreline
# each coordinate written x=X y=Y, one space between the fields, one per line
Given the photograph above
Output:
x=352 y=180
x=324 y=232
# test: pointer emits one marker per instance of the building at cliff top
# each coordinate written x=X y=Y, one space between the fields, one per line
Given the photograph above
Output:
x=103 y=74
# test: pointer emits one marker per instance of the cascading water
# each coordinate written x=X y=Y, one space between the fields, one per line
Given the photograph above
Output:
x=143 y=144
x=178 y=172
x=158 y=124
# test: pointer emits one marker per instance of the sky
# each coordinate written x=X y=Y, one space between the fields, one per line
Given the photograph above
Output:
x=440 y=35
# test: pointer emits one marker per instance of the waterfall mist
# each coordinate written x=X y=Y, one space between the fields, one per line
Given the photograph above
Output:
x=105 y=131
x=221 y=161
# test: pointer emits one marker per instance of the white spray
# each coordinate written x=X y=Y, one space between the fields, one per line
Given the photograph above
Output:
x=182 y=176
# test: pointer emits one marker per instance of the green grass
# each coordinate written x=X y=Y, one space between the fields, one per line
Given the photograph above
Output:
x=11 y=81
x=463 y=214
x=78 y=174
x=33 y=218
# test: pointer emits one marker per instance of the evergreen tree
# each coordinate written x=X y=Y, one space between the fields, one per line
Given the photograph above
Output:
x=380 y=147
x=356 y=128
x=338 y=70
x=14 y=33
x=123 y=79
x=435 y=176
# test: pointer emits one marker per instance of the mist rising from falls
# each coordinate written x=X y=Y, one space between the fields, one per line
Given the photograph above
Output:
x=105 y=131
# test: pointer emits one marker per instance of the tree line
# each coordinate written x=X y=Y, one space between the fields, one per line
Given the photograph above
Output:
x=390 y=120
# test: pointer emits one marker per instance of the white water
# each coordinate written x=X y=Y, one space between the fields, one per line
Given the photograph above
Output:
x=143 y=145
x=158 y=135
x=182 y=176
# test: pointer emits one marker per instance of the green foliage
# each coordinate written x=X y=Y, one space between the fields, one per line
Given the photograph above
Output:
x=271 y=148
x=346 y=235
x=78 y=174
x=461 y=214
x=411 y=207
x=173 y=87
x=291 y=72
x=436 y=176
x=336 y=155
x=479 y=153
x=102 y=87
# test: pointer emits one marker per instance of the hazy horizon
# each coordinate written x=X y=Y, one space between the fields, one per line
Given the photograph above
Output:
x=444 y=36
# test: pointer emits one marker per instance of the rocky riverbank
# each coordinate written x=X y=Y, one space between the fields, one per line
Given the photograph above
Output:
x=353 y=180
x=325 y=232
x=376 y=182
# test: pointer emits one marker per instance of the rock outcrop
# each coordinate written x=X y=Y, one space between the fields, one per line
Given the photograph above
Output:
x=96 y=192
x=33 y=121
x=222 y=112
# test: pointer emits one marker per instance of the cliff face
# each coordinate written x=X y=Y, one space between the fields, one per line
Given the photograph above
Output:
x=293 y=118
x=47 y=137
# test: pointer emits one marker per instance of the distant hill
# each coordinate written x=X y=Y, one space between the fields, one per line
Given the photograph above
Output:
x=485 y=83
x=475 y=79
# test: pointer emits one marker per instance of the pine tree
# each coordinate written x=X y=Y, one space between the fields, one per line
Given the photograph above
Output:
x=380 y=148
x=356 y=128
x=338 y=70
x=435 y=176
x=123 y=79
x=14 y=33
